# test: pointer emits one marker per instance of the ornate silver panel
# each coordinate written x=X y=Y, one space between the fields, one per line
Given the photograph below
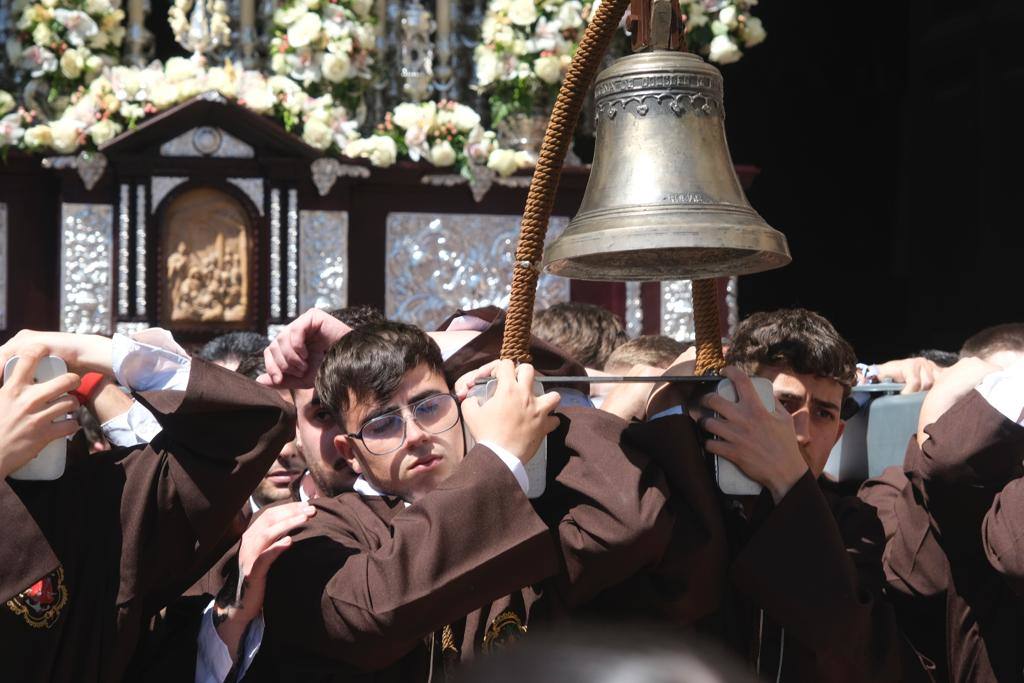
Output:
x=207 y=141
x=634 y=309
x=732 y=302
x=86 y=266
x=140 y=249
x=274 y=330
x=292 y=293
x=275 y=253
x=3 y=266
x=253 y=188
x=437 y=263
x=323 y=259
x=677 y=309
x=124 y=224
x=129 y=328
x=160 y=186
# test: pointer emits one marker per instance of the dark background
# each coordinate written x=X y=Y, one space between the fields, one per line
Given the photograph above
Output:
x=889 y=138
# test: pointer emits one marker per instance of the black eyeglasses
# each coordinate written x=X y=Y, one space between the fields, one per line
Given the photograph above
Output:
x=386 y=433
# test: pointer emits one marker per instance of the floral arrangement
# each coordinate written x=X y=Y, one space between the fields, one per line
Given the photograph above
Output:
x=11 y=124
x=66 y=43
x=717 y=29
x=121 y=96
x=445 y=134
x=524 y=51
x=220 y=25
x=325 y=45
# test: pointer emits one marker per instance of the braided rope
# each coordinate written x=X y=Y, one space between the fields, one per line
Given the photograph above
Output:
x=709 y=335
x=515 y=343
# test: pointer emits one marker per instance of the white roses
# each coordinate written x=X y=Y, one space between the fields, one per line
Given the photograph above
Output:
x=305 y=30
x=522 y=12
x=7 y=103
x=548 y=69
x=724 y=50
x=731 y=25
x=317 y=134
x=72 y=63
x=503 y=162
x=442 y=154
x=381 y=150
x=326 y=46
x=335 y=67
x=524 y=51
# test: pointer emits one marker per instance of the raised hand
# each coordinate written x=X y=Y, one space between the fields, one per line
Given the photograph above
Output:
x=955 y=383
x=294 y=357
x=762 y=444
x=513 y=418
x=262 y=543
x=31 y=414
x=464 y=384
x=916 y=374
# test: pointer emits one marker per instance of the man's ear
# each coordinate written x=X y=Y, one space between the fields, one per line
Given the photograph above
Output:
x=346 y=449
x=839 y=433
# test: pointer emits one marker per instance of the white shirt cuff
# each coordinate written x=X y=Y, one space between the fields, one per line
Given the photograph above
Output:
x=213 y=662
x=513 y=464
x=573 y=398
x=674 y=410
x=133 y=427
x=150 y=360
x=1004 y=391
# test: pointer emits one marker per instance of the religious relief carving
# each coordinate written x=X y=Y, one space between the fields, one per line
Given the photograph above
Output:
x=206 y=240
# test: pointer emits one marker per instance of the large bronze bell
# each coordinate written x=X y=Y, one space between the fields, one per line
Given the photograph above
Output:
x=663 y=201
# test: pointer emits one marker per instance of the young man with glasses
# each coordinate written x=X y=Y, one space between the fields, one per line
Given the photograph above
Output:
x=438 y=554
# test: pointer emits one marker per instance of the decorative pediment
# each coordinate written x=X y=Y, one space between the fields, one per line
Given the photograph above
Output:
x=207 y=141
x=210 y=126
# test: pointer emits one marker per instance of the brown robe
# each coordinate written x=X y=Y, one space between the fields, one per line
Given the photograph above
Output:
x=370 y=585
x=87 y=559
x=916 y=570
x=805 y=595
x=485 y=347
x=967 y=485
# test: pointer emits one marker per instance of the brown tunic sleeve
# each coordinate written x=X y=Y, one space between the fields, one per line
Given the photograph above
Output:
x=971 y=454
x=218 y=440
x=347 y=592
x=688 y=580
x=1003 y=534
x=817 y=571
x=124 y=532
x=612 y=501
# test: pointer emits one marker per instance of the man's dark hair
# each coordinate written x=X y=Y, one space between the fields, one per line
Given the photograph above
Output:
x=370 y=362
x=252 y=366
x=586 y=332
x=91 y=426
x=233 y=346
x=357 y=316
x=943 y=359
x=1005 y=337
x=797 y=339
x=651 y=349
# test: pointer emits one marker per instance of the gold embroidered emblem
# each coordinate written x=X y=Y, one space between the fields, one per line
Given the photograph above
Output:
x=506 y=629
x=448 y=645
x=41 y=603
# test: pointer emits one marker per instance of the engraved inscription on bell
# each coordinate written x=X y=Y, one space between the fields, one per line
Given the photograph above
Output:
x=206 y=270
